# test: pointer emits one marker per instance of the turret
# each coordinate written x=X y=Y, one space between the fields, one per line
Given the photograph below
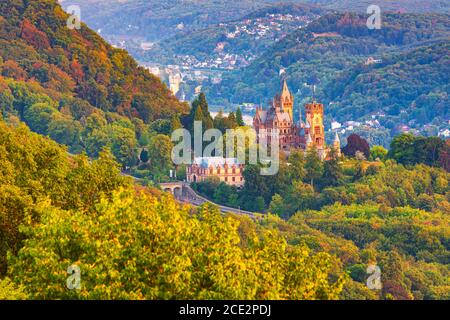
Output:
x=309 y=140
x=337 y=144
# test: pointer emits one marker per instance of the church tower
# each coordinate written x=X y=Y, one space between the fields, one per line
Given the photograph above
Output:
x=314 y=121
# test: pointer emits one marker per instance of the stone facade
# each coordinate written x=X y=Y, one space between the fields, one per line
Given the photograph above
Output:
x=227 y=170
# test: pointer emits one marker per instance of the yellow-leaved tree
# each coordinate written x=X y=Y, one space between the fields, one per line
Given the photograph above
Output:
x=141 y=247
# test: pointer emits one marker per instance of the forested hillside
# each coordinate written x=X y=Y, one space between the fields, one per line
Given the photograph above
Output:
x=159 y=19
x=410 y=72
x=73 y=86
x=132 y=243
x=136 y=243
x=203 y=44
x=417 y=6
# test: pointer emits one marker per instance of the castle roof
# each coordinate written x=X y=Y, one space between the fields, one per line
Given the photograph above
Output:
x=262 y=115
x=206 y=162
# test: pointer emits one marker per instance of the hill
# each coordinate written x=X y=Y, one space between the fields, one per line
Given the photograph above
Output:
x=132 y=243
x=246 y=38
x=411 y=6
x=153 y=20
x=74 y=86
x=60 y=211
x=337 y=46
x=159 y=19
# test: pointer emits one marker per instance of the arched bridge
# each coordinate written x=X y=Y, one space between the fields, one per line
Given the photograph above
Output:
x=184 y=193
x=177 y=188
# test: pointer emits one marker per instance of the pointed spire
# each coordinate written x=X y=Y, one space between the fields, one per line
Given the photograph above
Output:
x=285 y=91
x=336 y=139
x=308 y=139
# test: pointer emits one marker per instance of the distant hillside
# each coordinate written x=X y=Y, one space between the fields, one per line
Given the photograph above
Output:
x=248 y=37
x=412 y=6
x=332 y=51
x=157 y=19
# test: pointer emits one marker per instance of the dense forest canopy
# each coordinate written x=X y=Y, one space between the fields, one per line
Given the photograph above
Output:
x=321 y=224
x=74 y=87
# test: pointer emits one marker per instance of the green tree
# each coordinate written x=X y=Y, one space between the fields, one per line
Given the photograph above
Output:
x=297 y=165
x=402 y=149
x=313 y=165
x=144 y=156
x=332 y=171
x=239 y=118
x=277 y=206
x=378 y=152
x=115 y=249
x=160 y=152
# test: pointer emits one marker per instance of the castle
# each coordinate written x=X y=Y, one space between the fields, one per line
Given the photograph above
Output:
x=278 y=118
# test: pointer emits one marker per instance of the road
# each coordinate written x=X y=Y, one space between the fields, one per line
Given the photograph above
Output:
x=191 y=197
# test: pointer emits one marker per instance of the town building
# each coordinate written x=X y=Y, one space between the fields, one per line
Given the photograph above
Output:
x=227 y=170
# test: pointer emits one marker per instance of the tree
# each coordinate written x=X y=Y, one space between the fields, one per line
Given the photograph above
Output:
x=39 y=116
x=378 y=152
x=277 y=206
x=160 y=152
x=356 y=143
x=231 y=121
x=144 y=156
x=313 y=165
x=300 y=197
x=114 y=246
x=239 y=119
x=260 y=204
x=402 y=149
x=444 y=156
x=427 y=150
x=296 y=167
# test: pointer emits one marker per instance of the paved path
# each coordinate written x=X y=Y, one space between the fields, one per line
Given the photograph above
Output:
x=189 y=196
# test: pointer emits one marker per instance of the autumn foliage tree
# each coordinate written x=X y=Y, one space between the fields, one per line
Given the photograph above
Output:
x=356 y=143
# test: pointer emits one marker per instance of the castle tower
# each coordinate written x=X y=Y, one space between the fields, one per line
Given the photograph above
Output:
x=314 y=121
x=285 y=101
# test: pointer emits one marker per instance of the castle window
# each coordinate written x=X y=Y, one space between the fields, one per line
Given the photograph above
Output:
x=317 y=129
x=226 y=179
x=234 y=179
